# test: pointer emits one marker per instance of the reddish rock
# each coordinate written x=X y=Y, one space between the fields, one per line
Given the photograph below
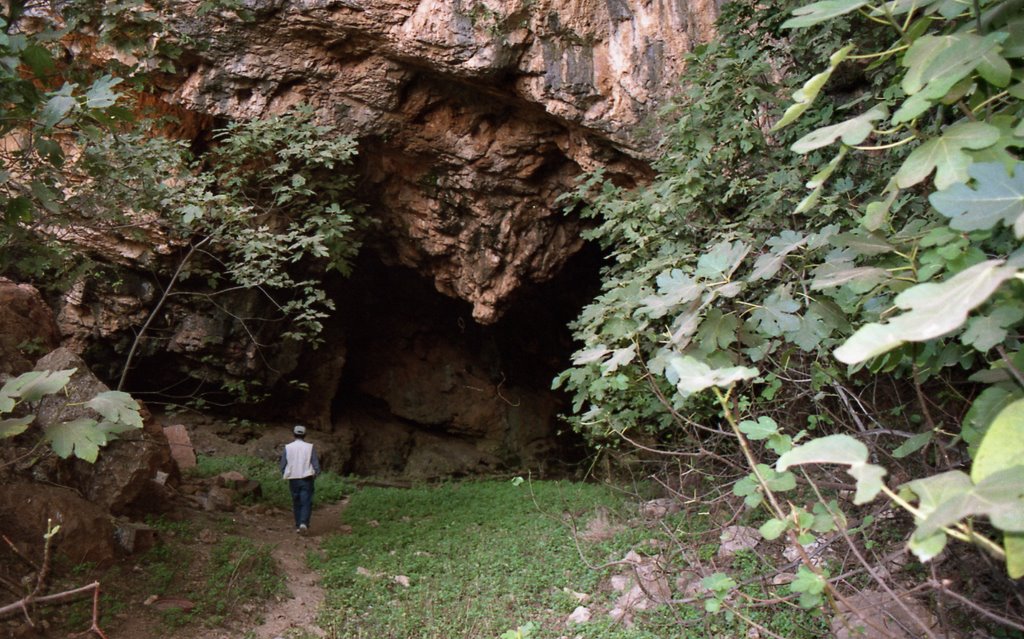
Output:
x=124 y=479
x=27 y=327
x=473 y=117
x=182 y=451
x=86 y=531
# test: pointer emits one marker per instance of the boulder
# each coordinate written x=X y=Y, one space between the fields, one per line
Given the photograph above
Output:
x=86 y=531
x=182 y=451
x=27 y=326
x=123 y=479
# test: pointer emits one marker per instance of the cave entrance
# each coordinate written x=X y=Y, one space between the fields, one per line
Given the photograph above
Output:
x=426 y=392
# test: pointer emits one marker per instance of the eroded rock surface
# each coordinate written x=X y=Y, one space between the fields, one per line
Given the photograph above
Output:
x=473 y=115
x=27 y=326
x=124 y=478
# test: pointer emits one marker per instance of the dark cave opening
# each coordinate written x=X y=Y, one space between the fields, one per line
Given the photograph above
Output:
x=425 y=391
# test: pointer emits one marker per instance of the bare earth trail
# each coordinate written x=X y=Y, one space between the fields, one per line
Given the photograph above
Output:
x=291 y=614
x=297 y=609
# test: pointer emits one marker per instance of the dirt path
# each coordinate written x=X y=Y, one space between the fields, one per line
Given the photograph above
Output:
x=292 y=614
x=298 y=609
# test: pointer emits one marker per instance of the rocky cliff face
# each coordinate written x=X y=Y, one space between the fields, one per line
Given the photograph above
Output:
x=472 y=117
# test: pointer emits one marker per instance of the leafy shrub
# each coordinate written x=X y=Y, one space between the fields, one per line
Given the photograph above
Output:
x=810 y=254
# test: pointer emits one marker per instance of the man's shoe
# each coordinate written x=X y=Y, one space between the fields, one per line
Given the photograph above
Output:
x=302 y=529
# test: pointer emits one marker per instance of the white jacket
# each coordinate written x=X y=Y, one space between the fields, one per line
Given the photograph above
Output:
x=299 y=460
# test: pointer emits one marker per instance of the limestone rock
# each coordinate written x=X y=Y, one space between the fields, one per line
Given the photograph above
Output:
x=27 y=326
x=736 y=538
x=580 y=615
x=659 y=508
x=122 y=479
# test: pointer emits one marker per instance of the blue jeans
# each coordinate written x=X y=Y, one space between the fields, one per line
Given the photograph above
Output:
x=302 y=499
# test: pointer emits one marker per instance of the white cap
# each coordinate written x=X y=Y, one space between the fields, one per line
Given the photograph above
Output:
x=299 y=430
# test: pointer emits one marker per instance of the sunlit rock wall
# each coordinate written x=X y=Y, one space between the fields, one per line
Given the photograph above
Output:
x=474 y=115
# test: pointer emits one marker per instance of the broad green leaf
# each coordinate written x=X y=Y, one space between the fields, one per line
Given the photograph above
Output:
x=810 y=584
x=779 y=444
x=1013 y=544
x=986 y=406
x=781 y=245
x=844 y=450
x=804 y=97
x=750 y=488
x=1000 y=150
x=620 y=357
x=934 y=309
x=899 y=7
x=56 y=109
x=821 y=177
x=777 y=314
x=929 y=547
x=694 y=375
x=863 y=243
x=777 y=482
x=995 y=69
x=112 y=429
x=38 y=59
x=821 y=11
x=674 y=288
x=876 y=213
x=99 y=95
x=833 y=275
x=763 y=428
x=1002 y=447
x=997 y=196
x=721 y=260
x=933 y=491
x=809 y=335
x=32 y=386
x=718 y=330
x=945 y=59
x=590 y=355
x=117 y=406
x=912 y=445
x=945 y=155
x=773 y=528
x=1000 y=496
x=834 y=449
x=13 y=426
x=852 y=131
x=869 y=481
x=80 y=438
x=985 y=331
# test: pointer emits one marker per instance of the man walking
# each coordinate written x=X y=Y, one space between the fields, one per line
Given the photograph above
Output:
x=300 y=467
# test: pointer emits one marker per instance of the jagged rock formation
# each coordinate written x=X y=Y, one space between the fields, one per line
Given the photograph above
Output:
x=472 y=117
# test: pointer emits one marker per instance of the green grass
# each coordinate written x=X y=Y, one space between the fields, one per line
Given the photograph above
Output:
x=330 y=487
x=484 y=558
x=240 y=570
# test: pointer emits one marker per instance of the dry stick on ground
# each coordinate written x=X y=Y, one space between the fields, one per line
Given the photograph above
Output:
x=36 y=598
x=985 y=612
x=864 y=562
